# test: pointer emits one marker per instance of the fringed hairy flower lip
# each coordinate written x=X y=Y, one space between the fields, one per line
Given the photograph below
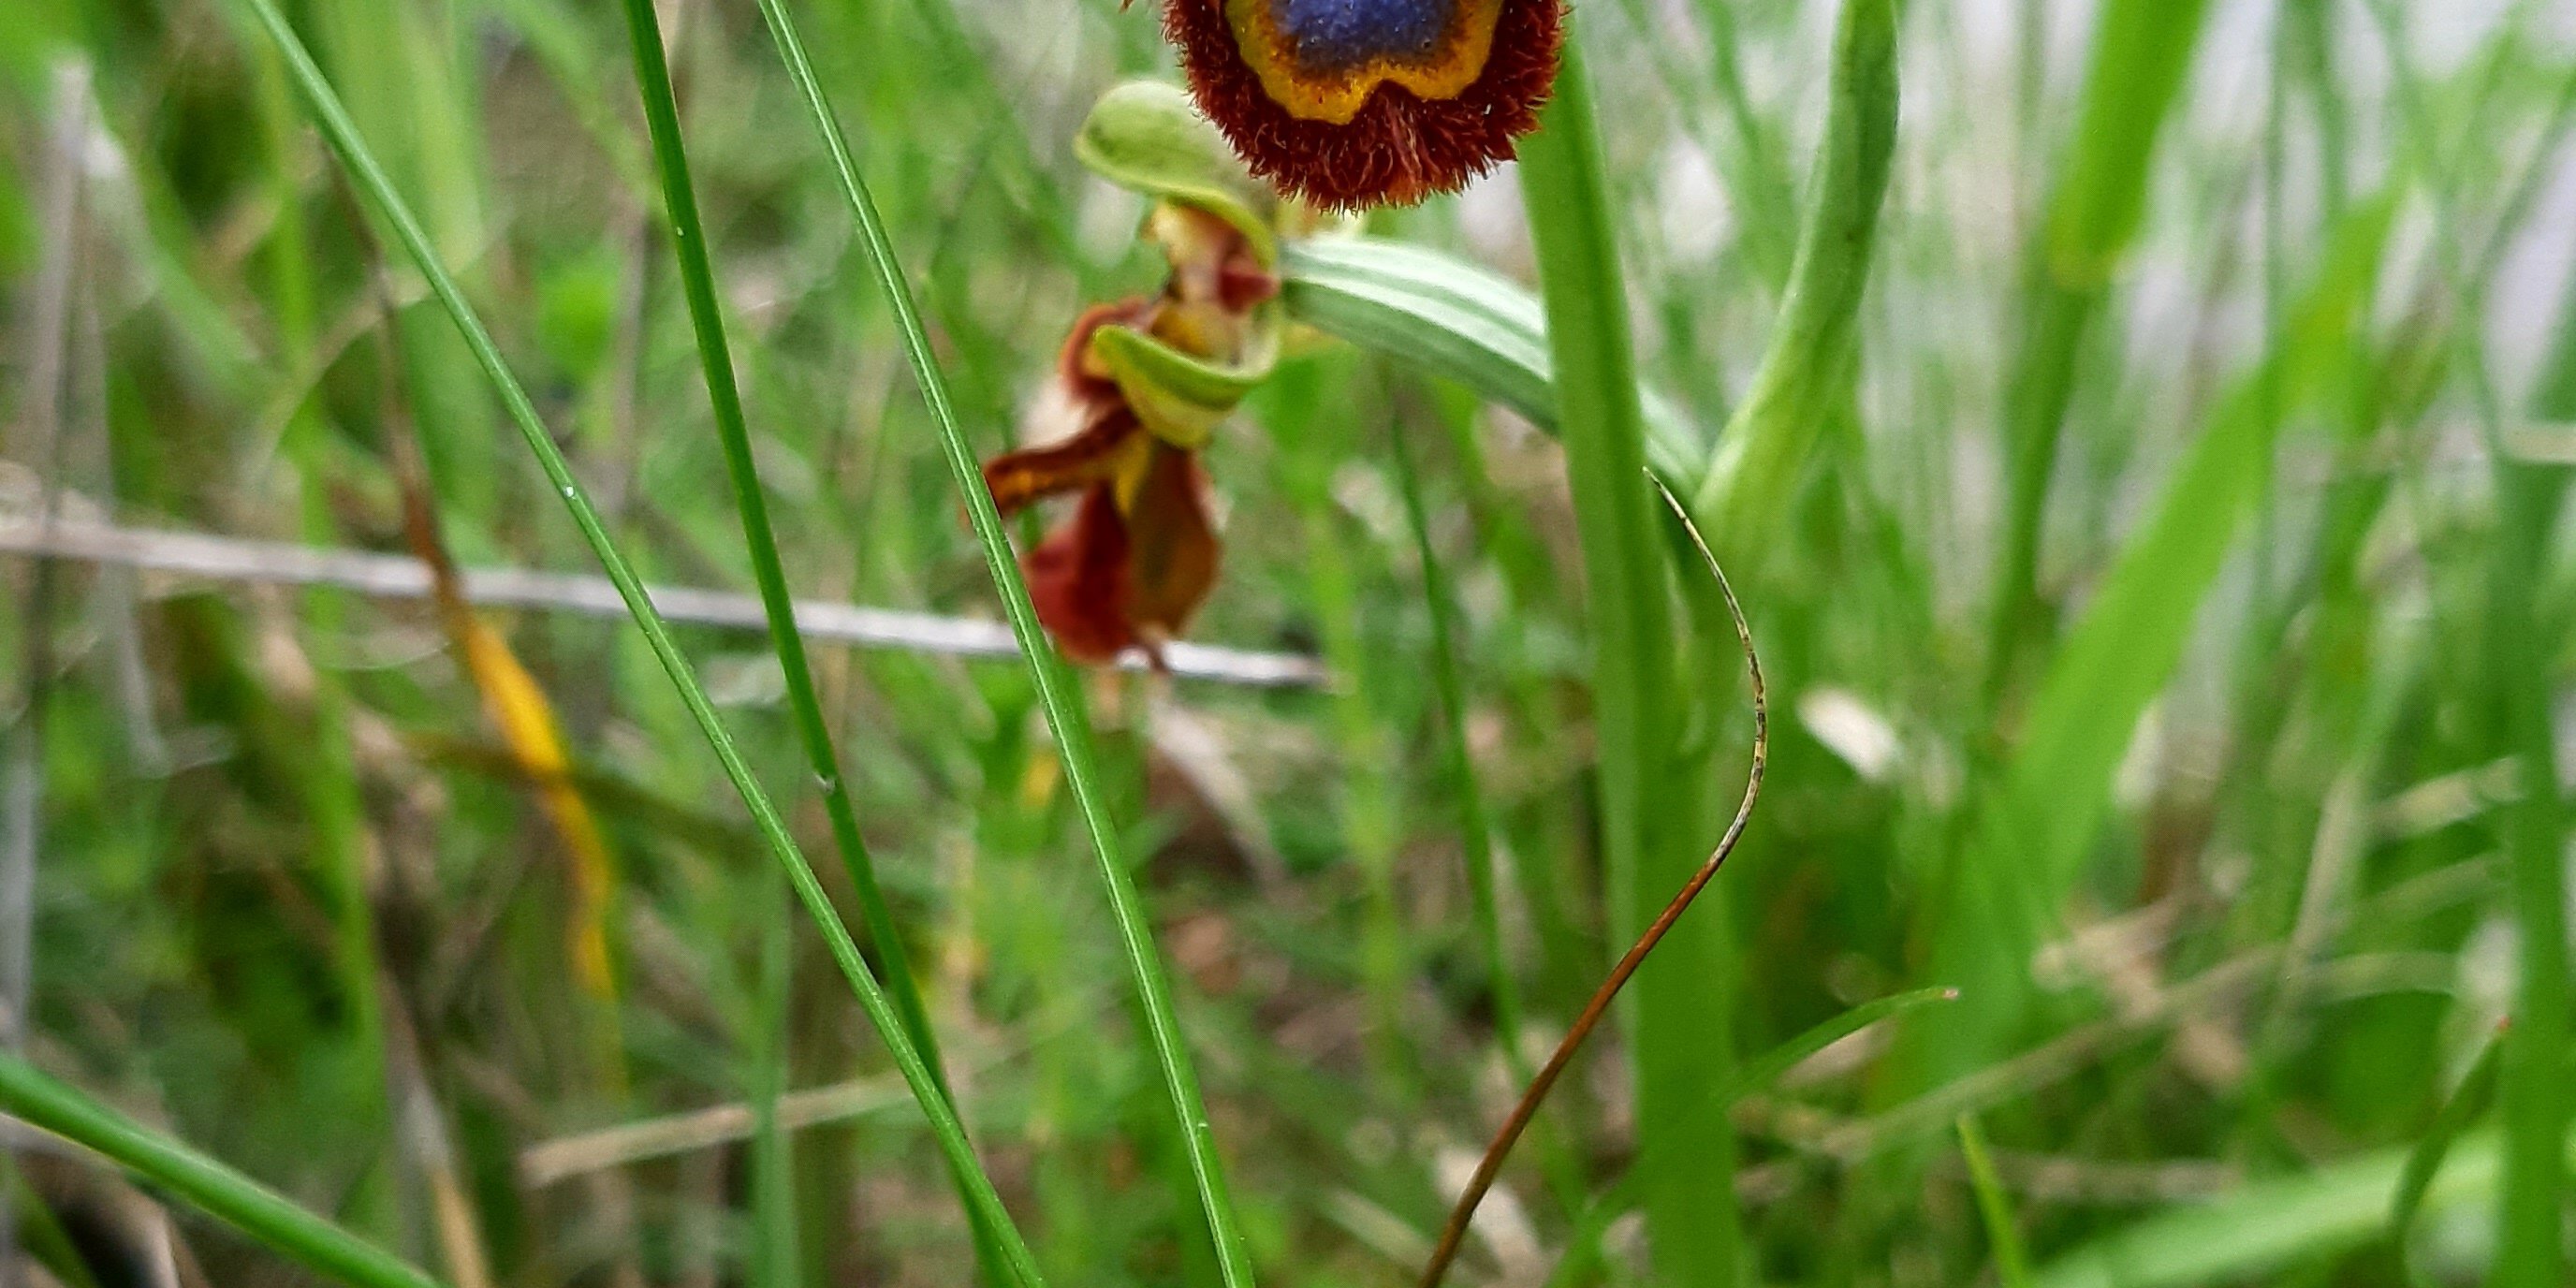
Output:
x=1348 y=103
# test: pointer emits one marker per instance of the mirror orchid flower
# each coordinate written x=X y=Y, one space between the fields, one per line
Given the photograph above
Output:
x=1139 y=389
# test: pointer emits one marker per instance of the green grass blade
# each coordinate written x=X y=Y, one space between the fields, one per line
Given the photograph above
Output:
x=1806 y=368
x=2263 y=1228
x=272 y=1219
x=2053 y=322
x=1366 y=801
x=331 y=782
x=2032 y=836
x=1056 y=690
x=1678 y=1020
x=2141 y=52
x=2473 y=1097
x=1761 y=172
x=1771 y=1065
x=2538 y=1098
x=2516 y=694
x=1475 y=834
x=2521 y=687
x=1752 y=1076
x=775 y=1259
x=2012 y=1263
x=814 y=732
x=371 y=179
x=2553 y=397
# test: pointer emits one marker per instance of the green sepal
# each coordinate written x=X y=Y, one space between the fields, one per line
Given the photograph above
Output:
x=1147 y=137
x=1180 y=397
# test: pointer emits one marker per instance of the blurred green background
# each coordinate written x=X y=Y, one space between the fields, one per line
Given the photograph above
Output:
x=2164 y=617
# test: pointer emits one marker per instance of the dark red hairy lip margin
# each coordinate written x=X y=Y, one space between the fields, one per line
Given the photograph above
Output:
x=1401 y=147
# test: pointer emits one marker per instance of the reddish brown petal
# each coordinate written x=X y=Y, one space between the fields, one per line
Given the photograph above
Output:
x=1171 y=564
x=1079 y=581
x=1087 y=458
x=1088 y=381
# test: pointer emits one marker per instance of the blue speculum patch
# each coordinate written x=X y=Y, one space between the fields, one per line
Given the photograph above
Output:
x=1332 y=35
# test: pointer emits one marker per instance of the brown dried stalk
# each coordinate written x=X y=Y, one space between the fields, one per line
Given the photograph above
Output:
x=1455 y=1233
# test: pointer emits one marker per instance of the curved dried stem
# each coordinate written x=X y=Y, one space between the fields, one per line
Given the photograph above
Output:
x=1455 y=1232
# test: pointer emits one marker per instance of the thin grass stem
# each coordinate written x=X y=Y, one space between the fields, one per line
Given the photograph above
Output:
x=1055 y=684
x=774 y=1252
x=272 y=1219
x=1475 y=833
x=813 y=730
x=2003 y=1238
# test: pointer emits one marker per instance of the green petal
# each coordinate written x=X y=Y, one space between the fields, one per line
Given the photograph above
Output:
x=1179 y=397
x=1146 y=136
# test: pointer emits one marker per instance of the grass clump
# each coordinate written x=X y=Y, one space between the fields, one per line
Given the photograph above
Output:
x=2140 y=451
